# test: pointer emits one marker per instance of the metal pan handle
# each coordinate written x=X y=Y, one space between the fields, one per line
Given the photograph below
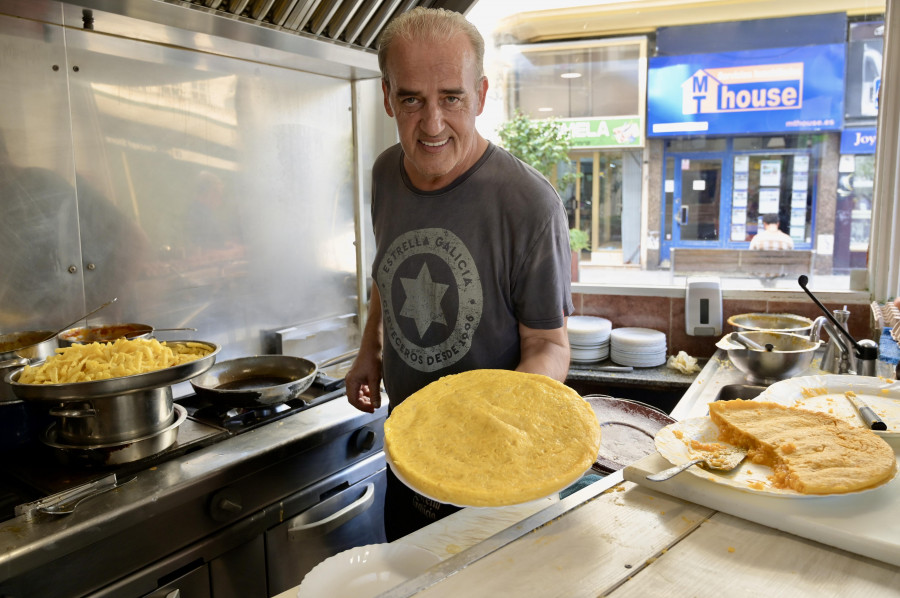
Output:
x=16 y=362
x=338 y=359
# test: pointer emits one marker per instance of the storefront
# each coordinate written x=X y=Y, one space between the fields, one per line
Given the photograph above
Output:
x=740 y=118
x=745 y=133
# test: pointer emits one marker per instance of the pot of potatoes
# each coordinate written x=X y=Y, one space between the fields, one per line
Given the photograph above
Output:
x=102 y=393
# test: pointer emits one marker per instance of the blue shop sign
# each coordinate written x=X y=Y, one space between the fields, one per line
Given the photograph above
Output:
x=775 y=90
x=858 y=141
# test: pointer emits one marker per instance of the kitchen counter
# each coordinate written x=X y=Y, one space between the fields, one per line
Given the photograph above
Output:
x=621 y=539
x=661 y=386
x=660 y=377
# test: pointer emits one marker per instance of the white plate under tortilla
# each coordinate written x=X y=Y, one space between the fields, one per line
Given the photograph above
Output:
x=411 y=486
x=825 y=394
x=366 y=571
x=673 y=443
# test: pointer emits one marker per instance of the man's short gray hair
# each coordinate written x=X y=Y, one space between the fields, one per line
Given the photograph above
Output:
x=436 y=25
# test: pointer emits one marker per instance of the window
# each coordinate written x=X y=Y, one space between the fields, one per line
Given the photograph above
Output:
x=706 y=182
x=597 y=90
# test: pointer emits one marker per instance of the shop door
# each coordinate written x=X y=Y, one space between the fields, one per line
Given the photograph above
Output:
x=697 y=201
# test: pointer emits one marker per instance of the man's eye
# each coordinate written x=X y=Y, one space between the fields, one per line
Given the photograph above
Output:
x=452 y=100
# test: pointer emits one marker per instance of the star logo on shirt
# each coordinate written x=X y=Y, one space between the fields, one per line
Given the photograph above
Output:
x=423 y=300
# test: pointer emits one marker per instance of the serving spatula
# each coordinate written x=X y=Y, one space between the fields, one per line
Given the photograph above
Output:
x=724 y=459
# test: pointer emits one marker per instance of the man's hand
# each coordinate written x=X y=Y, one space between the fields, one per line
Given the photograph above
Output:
x=363 y=382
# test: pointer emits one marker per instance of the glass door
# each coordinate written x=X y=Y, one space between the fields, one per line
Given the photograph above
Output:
x=697 y=200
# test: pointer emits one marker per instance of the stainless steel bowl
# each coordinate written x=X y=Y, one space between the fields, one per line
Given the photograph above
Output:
x=791 y=355
x=22 y=348
x=753 y=322
x=103 y=333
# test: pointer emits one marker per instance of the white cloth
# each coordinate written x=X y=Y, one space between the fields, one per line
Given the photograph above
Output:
x=771 y=240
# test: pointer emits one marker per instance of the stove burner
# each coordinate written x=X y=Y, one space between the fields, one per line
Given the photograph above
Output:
x=240 y=418
x=258 y=413
x=237 y=420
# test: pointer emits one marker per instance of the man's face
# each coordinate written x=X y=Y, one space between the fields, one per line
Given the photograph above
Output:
x=434 y=97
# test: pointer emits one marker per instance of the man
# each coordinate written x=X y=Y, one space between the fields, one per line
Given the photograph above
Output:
x=771 y=237
x=472 y=265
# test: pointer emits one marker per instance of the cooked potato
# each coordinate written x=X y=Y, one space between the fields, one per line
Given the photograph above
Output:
x=102 y=361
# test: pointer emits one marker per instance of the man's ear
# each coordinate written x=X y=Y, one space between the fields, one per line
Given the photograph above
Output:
x=482 y=94
x=386 y=90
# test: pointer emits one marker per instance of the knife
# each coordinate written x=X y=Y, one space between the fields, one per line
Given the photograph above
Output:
x=866 y=413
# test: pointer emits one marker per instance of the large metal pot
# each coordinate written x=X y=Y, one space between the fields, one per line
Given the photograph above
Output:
x=117 y=410
x=115 y=453
x=114 y=419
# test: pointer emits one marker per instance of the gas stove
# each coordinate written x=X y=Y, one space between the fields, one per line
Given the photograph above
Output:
x=34 y=471
x=236 y=505
x=239 y=420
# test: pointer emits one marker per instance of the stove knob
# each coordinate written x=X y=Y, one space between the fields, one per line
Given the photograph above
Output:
x=225 y=505
x=363 y=440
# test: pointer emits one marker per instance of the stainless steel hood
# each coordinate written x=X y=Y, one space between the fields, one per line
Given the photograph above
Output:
x=331 y=37
x=354 y=22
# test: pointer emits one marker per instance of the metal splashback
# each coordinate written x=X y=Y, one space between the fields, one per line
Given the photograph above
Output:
x=203 y=189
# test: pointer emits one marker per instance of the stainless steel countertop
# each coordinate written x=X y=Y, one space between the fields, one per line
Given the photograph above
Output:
x=715 y=375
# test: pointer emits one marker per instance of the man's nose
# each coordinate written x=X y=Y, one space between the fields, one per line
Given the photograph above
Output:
x=432 y=119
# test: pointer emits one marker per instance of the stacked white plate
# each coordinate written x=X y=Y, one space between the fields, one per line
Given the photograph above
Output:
x=588 y=338
x=638 y=347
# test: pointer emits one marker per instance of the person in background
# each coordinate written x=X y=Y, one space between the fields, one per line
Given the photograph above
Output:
x=771 y=237
x=472 y=263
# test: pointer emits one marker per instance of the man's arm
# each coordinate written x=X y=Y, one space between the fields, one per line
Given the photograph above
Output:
x=363 y=381
x=544 y=352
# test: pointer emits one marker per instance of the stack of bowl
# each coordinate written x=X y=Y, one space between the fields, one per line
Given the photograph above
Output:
x=638 y=347
x=588 y=338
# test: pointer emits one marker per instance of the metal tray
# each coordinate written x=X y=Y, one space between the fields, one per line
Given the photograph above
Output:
x=627 y=431
x=115 y=386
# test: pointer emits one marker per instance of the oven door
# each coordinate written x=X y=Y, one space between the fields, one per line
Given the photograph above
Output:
x=348 y=515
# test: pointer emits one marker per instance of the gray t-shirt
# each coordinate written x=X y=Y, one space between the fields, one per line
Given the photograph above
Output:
x=460 y=267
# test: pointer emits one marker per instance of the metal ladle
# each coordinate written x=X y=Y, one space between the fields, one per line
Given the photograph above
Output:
x=84 y=317
x=749 y=343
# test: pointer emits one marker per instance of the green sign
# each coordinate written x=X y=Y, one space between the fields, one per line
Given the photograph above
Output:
x=623 y=131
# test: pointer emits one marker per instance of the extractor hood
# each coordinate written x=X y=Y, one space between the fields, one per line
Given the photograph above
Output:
x=332 y=37
x=354 y=22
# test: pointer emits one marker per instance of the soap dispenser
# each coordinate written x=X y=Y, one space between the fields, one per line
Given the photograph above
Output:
x=703 y=306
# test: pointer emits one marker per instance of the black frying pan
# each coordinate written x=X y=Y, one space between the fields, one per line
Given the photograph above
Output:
x=260 y=380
